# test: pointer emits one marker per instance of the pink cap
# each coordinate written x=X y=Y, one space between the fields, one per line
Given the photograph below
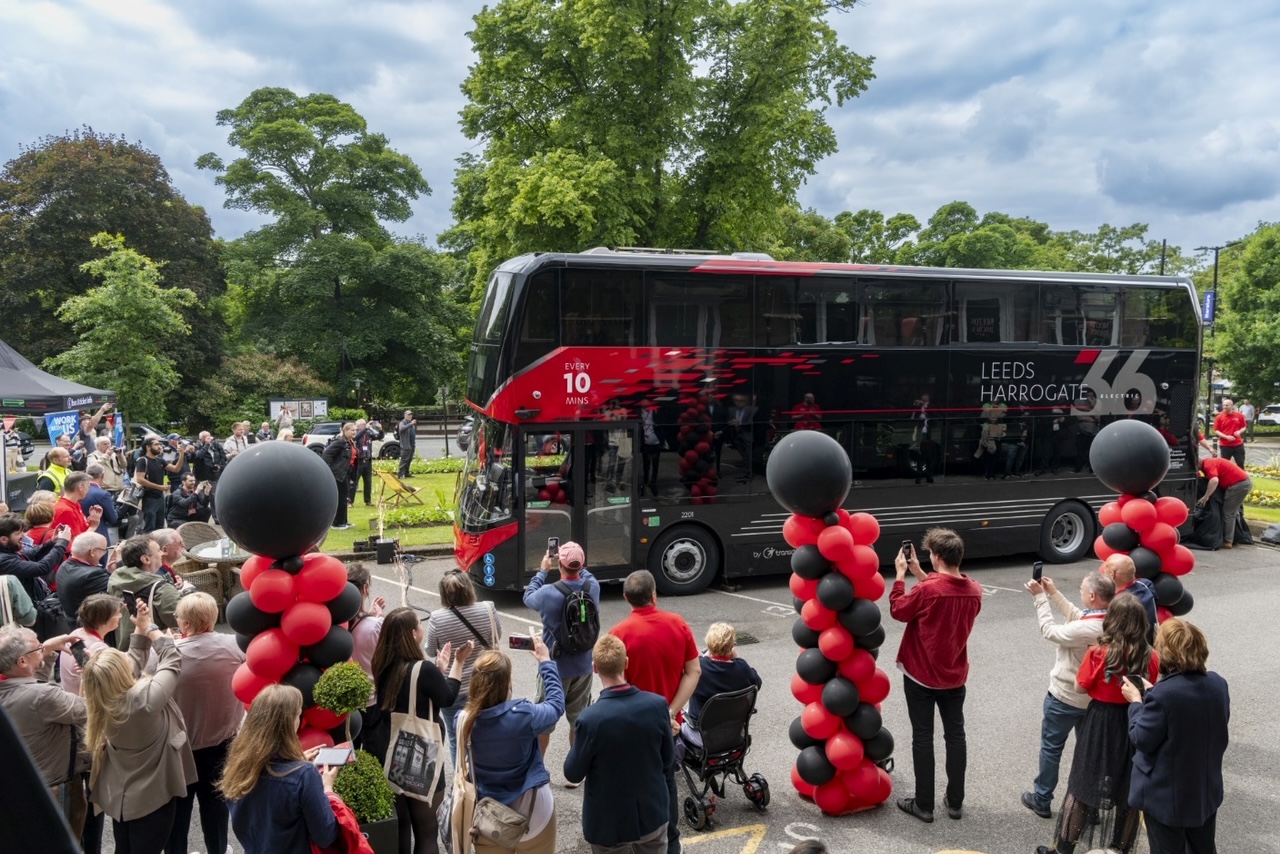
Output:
x=571 y=556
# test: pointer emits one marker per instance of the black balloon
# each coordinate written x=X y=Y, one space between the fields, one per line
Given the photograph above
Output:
x=814 y=667
x=1129 y=456
x=1183 y=606
x=1169 y=590
x=809 y=473
x=861 y=618
x=356 y=722
x=870 y=641
x=835 y=591
x=832 y=518
x=262 y=520
x=336 y=646
x=246 y=618
x=805 y=637
x=1146 y=563
x=797 y=603
x=807 y=562
x=243 y=641
x=840 y=696
x=346 y=604
x=875 y=654
x=799 y=737
x=1120 y=536
x=812 y=764
x=292 y=565
x=304 y=677
x=879 y=747
x=865 y=721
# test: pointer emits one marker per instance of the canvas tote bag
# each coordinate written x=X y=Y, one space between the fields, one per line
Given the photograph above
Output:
x=412 y=763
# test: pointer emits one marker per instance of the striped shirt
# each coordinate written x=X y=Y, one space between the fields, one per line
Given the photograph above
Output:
x=445 y=627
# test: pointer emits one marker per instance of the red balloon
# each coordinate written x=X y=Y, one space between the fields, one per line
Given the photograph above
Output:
x=805 y=789
x=804 y=692
x=561 y=497
x=872 y=587
x=311 y=737
x=690 y=457
x=306 y=623
x=245 y=684
x=876 y=688
x=323 y=577
x=817 y=616
x=863 y=562
x=252 y=568
x=1109 y=514
x=836 y=543
x=1139 y=515
x=1125 y=499
x=702 y=448
x=844 y=750
x=801 y=530
x=862 y=782
x=544 y=494
x=1171 y=511
x=818 y=722
x=831 y=797
x=1180 y=561
x=884 y=786
x=1162 y=613
x=273 y=591
x=803 y=588
x=836 y=643
x=857 y=667
x=864 y=527
x=322 y=718
x=1102 y=550
x=270 y=654
x=1161 y=538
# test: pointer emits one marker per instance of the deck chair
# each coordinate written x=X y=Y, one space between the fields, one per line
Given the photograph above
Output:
x=401 y=492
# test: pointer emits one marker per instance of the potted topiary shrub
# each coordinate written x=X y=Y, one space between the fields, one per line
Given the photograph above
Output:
x=362 y=786
x=343 y=689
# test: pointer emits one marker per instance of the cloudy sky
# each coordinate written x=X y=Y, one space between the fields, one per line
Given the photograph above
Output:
x=1120 y=111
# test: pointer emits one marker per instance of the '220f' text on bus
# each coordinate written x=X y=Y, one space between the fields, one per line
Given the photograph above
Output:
x=628 y=400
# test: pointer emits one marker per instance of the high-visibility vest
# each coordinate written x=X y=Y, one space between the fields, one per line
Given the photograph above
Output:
x=57 y=474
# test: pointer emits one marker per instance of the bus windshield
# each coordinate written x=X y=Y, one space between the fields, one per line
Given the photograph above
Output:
x=486 y=485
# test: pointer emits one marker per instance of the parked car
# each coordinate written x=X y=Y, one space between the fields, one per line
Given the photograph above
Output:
x=135 y=433
x=1270 y=414
x=464 y=432
x=322 y=431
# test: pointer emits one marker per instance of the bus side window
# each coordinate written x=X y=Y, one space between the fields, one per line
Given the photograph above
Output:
x=827 y=311
x=1079 y=315
x=904 y=314
x=539 y=329
x=777 y=317
x=601 y=307
x=699 y=311
x=994 y=313
x=1152 y=317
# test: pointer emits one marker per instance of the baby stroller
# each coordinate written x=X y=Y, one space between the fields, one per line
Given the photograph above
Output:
x=724 y=727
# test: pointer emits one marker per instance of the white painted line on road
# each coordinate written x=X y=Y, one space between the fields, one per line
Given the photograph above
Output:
x=518 y=619
x=748 y=598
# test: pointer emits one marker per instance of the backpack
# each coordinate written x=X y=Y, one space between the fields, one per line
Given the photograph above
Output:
x=579 y=621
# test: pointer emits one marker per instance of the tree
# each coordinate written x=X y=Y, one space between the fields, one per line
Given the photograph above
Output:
x=1247 y=329
x=128 y=326
x=875 y=238
x=655 y=122
x=244 y=385
x=59 y=193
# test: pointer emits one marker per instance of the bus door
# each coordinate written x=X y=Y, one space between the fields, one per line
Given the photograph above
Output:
x=578 y=485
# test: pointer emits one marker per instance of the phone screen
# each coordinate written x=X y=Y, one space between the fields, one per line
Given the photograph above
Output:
x=1037 y=570
x=906 y=549
x=553 y=546
x=520 y=642
x=332 y=756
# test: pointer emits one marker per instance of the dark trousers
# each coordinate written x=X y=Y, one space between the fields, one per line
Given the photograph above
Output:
x=673 y=820
x=94 y=821
x=1235 y=453
x=650 y=455
x=950 y=704
x=1164 y=839
x=364 y=471
x=152 y=514
x=146 y=835
x=213 y=809
x=340 y=516
x=406 y=457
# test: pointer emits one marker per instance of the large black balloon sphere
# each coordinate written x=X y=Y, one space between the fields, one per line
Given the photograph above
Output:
x=1129 y=456
x=246 y=618
x=870 y=641
x=840 y=696
x=814 y=667
x=1146 y=563
x=799 y=737
x=1169 y=590
x=805 y=637
x=346 y=604
x=835 y=591
x=861 y=618
x=277 y=499
x=809 y=473
x=1120 y=537
x=879 y=747
x=813 y=767
x=1183 y=606
x=336 y=646
x=808 y=562
x=304 y=677
x=865 y=721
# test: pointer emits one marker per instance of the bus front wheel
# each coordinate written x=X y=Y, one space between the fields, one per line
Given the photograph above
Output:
x=1066 y=533
x=684 y=560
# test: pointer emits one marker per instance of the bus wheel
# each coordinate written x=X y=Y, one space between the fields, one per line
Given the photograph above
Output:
x=684 y=560
x=1066 y=533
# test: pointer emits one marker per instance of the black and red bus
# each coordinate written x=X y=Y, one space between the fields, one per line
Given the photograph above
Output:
x=628 y=400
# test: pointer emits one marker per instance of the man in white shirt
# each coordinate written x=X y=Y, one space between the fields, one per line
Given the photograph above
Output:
x=238 y=441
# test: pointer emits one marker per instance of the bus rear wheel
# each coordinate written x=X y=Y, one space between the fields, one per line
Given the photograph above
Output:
x=1066 y=533
x=684 y=560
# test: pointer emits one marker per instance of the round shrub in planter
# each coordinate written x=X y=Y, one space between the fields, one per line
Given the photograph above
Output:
x=363 y=788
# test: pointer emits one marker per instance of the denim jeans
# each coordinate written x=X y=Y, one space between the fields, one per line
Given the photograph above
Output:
x=1059 y=720
x=950 y=704
x=448 y=716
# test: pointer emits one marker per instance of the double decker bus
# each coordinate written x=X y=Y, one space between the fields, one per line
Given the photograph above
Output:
x=628 y=400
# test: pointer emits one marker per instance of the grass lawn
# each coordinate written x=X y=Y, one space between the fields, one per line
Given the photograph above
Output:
x=360 y=516
x=1263 y=514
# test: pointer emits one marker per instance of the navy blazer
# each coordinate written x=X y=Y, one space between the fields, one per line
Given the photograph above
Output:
x=1180 y=732
x=623 y=747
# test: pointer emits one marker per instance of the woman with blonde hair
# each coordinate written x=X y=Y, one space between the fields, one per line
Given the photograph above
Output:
x=723 y=672
x=137 y=739
x=285 y=435
x=499 y=736
x=279 y=803
x=461 y=620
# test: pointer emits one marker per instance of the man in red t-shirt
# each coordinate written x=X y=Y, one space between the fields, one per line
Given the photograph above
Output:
x=934 y=659
x=67 y=510
x=1235 y=485
x=1229 y=427
x=662 y=657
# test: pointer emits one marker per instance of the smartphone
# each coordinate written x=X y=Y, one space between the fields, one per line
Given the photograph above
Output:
x=520 y=642
x=334 y=756
x=130 y=603
x=78 y=653
x=1037 y=570
x=906 y=549
x=1136 y=681
x=553 y=546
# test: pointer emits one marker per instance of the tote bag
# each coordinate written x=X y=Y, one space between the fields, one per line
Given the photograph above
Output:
x=457 y=813
x=412 y=763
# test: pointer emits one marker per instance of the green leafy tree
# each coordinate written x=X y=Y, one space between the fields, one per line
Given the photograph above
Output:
x=875 y=238
x=1246 y=335
x=127 y=328
x=244 y=384
x=809 y=236
x=655 y=122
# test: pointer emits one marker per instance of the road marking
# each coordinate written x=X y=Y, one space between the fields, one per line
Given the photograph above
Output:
x=798 y=831
x=748 y=598
x=755 y=831
x=515 y=617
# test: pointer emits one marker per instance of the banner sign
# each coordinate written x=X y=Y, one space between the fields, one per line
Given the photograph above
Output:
x=1210 y=304
x=58 y=423
x=116 y=420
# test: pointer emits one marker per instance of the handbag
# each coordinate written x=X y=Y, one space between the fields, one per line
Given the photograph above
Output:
x=50 y=621
x=457 y=812
x=131 y=496
x=499 y=823
x=412 y=763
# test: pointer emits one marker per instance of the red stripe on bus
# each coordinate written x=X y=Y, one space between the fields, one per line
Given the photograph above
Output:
x=1087 y=357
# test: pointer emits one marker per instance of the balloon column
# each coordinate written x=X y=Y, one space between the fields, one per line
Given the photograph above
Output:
x=276 y=500
x=836 y=581
x=694 y=450
x=1131 y=457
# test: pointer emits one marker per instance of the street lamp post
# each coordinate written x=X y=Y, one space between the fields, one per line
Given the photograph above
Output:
x=1210 y=314
x=358 y=382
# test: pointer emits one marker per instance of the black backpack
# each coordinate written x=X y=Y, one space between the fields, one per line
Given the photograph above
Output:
x=579 y=621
